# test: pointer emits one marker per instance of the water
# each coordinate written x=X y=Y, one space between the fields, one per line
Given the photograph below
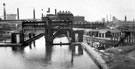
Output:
x=40 y=57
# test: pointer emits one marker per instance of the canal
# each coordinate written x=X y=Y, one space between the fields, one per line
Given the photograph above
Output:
x=39 y=56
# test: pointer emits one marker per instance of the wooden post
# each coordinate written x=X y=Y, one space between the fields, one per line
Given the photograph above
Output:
x=134 y=37
x=73 y=36
x=80 y=36
x=17 y=38
x=13 y=38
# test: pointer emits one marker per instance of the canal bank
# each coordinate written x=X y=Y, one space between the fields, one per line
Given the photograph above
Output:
x=121 y=57
x=94 y=55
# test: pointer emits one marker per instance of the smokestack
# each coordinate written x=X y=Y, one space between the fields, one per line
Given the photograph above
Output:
x=55 y=11
x=125 y=18
x=48 y=10
x=107 y=18
x=18 y=16
x=4 y=11
x=34 y=17
x=42 y=13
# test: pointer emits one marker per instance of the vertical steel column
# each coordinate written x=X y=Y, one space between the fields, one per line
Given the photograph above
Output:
x=72 y=34
x=47 y=35
x=47 y=31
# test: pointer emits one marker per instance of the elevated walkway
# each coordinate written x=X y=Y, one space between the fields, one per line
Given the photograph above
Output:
x=27 y=42
x=55 y=34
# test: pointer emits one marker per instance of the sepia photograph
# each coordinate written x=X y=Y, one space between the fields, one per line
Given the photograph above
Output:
x=67 y=34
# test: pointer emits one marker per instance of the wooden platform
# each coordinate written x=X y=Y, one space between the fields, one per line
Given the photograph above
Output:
x=61 y=43
x=74 y=43
x=10 y=45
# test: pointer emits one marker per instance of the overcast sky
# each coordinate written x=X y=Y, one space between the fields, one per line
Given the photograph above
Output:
x=92 y=9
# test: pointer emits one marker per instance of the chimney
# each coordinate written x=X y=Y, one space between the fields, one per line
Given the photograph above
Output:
x=107 y=18
x=55 y=11
x=48 y=10
x=60 y=11
x=18 y=17
x=125 y=18
x=4 y=11
x=34 y=17
x=63 y=11
x=42 y=13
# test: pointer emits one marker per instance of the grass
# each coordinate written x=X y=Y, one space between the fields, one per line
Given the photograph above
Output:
x=117 y=58
x=121 y=62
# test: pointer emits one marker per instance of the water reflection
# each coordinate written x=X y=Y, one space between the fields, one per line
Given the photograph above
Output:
x=48 y=53
x=17 y=50
x=77 y=50
x=45 y=57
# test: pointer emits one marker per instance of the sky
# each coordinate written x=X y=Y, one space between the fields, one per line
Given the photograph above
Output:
x=92 y=10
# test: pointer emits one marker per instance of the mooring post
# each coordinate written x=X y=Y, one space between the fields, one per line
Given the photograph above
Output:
x=73 y=36
x=17 y=38
x=22 y=37
x=80 y=35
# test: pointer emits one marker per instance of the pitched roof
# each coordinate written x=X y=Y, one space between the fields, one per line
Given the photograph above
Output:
x=111 y=30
